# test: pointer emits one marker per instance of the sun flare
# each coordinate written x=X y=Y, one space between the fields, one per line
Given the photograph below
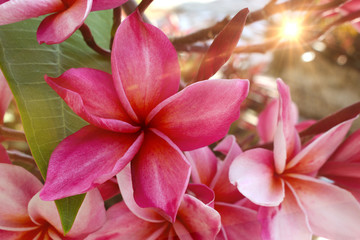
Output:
x=291 y=29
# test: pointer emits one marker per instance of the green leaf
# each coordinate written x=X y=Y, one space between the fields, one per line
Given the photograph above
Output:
x=46 y=118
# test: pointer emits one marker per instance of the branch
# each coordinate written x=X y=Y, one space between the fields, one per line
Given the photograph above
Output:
x=276 y=43
x=144 y=5
x=90 y=41
x=130 y=6
x=11 y=134
x=201 y=35
x=116 y=23
x=270 y=9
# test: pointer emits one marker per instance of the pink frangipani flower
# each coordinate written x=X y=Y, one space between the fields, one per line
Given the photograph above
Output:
x=66 y=15
x=25 y=216
x=137 y=115
x=282 y=182
x=126 y=220
x=237 y=221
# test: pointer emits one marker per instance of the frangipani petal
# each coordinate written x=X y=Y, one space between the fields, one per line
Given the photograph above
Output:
x=332 y=212
x=5 y=95
x=202 y=192
x=201 y=113
x=254 y=170
x=351 y=169
x=17 y=186
x=106 y=4
x=109 y=189
x=304 y=125
x=18 y=10
x=59 y=26
x=4 y=158
x=91 y=215
x=199 y=220
x=286 y=139
x=160 y=174
x=239 y=222
x=224 y=190
x=351 y=6
x=86 y=159
x=12 y=235
x=90 y=93
x=203 y=165
x=127 y=193
x=349 y=150
x=267 y=121
x=253 y=174
x=286 y=221
x=146 y=71
x=123 y=224
x=312 y=157
x=350 y=184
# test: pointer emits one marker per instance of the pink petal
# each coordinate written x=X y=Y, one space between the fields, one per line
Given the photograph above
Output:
x=350 y=184
x=349 y=150
x=344 y=169
x=332 y=212
x=201 y=113
x=313 y=156
x=286 y=221
x=224 y=190
x=160 y=174
x=16 y=11
x=109 y=189
x=351 y=6
x=202 y=192
x=4 y=158
x=203 y=165
x=239 y=222
x=146 y=71
x=267 y=121
x=199 y=220
x=58 y=27
x=286 y=139
x=304 y=125
x=123 y=224
x=90 y=93
x=127 y=193
x=17 y=186
x=91 y=215
x=106 y=4
x=253 y=174
x=5 y=95
x=12 y=235
x=86 y=159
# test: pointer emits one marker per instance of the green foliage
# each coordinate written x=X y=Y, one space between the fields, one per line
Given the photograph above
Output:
x=46 y=118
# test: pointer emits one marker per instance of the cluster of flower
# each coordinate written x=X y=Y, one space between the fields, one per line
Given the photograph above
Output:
x=155 y=139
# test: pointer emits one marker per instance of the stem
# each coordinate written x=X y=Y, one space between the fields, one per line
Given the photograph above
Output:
x=116 y=23
x=11 y=134
x=90 y=41
x=144 y=5
x=130 y=6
